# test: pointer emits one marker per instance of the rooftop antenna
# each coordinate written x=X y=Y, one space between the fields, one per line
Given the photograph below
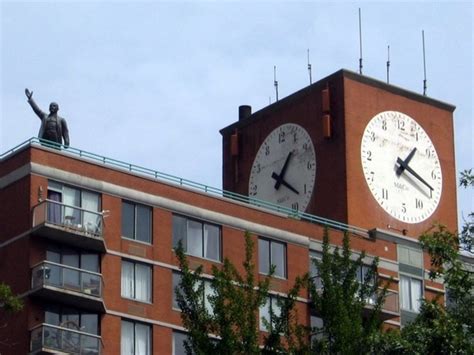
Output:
x=275 y=82
x=309 y=70
x=360 y=43
x=388 y=64
x=424 y=62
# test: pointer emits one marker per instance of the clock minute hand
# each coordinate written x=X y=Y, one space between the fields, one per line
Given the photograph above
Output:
x=401 y=167
x=406 y=167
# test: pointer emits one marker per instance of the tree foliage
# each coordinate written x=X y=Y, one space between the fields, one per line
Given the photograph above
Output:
x=8 y=301
x=350 y=326
x=235 y=301
x=467 y=231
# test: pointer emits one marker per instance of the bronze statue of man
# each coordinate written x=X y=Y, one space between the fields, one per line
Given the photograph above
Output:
x=53 y=127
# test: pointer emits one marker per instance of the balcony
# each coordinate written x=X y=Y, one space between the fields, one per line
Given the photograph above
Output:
x=73 y=286
x=390 y=308
x=69 y=225
x=51 y=339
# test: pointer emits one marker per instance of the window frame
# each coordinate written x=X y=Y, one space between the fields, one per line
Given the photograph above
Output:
x=134 y=297
x=207 y=291
x=203 y=223
x=411 y=300
x=270 y=257
x=134 y=325
x=135 y=222
x=272 y=301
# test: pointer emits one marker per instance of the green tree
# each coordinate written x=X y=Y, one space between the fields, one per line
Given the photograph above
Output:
x=467 y=231
x=8 y=301
x=349 y=326
x=235 y=301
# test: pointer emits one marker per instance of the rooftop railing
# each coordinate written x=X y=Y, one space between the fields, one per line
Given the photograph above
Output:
x=291 y=213
x=70 y=217
x=46 y=337
x=67 y=277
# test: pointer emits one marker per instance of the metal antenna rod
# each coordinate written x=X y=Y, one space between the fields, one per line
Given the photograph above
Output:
x=424 y=62
x=275 y=82
x=309 y=70
x=360 y=43
x=388 y=64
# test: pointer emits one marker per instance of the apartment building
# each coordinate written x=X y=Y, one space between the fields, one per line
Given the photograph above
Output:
x=88 y=241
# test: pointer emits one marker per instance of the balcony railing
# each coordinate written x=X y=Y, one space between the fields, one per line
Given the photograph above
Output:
x=68 y=278
x=71 y=225
x=390 y=308
x=70 y=217
x=50 y=338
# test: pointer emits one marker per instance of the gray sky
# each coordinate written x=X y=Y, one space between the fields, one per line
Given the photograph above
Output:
x=151 y=83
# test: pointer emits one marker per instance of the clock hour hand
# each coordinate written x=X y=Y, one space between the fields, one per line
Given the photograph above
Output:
x=413 y=172
x=278 y=178
x=401 y=167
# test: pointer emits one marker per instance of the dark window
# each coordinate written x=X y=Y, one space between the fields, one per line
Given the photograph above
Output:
x=136 y=221
x=198 y=238
x=72 y=318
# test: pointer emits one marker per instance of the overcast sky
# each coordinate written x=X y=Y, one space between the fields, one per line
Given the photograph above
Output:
x=151 y=83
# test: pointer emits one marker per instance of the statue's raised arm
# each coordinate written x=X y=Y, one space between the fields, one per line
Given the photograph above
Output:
x=53 y=127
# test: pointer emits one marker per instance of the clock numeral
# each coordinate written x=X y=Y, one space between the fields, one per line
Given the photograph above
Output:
x=304 y=188
x=267 y=150
x=384 y=125
x=416 y=136
x=294 y=206
x=372 y=136
x=253 y=190
x=309 y=165
x=401 y=125
x=295 y=138
x=404 y=207
x=434 y=175
x=258 y=168
x=418 y=204
x=371 y=176
x=428 y=152
x=385 y=194
x=281 y=137
x=369 y=155
x=305 y=146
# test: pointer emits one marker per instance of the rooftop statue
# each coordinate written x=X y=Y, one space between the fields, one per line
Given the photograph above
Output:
x=53 y=127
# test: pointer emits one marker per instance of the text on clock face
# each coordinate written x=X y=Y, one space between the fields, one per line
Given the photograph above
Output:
x=401 y=166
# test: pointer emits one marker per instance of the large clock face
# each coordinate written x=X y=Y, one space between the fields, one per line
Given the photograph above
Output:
x=401 y=166
x=284 y=169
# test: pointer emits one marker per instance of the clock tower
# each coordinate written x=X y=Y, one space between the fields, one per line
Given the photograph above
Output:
x=351 y=149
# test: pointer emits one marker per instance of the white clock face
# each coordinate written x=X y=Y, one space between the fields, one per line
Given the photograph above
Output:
x=284 y=169
x=401 y=166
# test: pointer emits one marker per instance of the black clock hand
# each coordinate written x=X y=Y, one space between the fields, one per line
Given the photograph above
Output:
x=401 y=168
x=279 y=178
x=406 y=167
x=284 y=183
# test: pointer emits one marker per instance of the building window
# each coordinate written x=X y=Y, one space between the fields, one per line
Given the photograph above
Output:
x=198 y=238
x=136 y=221
x=208 y=292
x=271 y=252
x=72 y=318
x=74 y=207
x=269 y=311
x=136 y=281
x=135 y=339
x=178 y=343
x=411 y=292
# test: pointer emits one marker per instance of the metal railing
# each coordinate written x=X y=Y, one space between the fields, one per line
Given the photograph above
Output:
x=51 y=337
x=391 y=302
x=71 y=217
x=66 y=277
x=291 y=213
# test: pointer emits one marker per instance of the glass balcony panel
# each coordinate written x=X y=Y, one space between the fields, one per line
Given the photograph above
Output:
x=52 y=338
x=66 y=277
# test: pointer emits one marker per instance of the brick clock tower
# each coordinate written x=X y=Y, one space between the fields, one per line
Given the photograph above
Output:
x=352 y=149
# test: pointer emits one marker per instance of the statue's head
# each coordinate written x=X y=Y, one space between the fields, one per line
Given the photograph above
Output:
x=53 y=107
